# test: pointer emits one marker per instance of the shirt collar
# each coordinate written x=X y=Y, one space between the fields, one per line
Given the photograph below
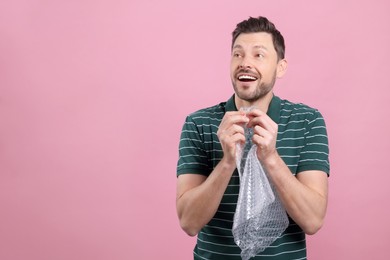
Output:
x=273 y=109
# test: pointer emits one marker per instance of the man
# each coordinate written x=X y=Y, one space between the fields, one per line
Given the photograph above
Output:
x=292 y=146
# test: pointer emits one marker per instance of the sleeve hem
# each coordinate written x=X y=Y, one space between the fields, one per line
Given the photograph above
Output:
x=192 y=171
x=313 y=167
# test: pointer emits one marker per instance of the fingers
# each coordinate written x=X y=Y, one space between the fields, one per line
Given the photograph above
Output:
x=259 y=118
x=231 y=118
x=265 y=131
x=231 y=132
x=263 y=138
x=231 y=125
x=231 y=135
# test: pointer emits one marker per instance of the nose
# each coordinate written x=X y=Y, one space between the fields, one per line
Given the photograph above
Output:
x=245 y=64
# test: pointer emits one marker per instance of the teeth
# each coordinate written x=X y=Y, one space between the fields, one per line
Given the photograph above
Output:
x=246 y=77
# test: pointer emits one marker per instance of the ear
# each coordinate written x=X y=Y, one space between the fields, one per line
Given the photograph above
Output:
x=281 y=68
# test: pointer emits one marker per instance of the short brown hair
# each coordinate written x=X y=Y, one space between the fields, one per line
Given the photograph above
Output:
x=261 y=24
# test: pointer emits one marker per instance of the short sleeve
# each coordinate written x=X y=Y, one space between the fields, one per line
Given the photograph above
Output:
x=192 y=155
x=315 y=153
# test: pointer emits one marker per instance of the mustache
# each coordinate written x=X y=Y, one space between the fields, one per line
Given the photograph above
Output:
x=249 y=72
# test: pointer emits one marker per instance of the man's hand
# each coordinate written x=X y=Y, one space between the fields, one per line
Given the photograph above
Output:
x=231 y=132
x=265 y=132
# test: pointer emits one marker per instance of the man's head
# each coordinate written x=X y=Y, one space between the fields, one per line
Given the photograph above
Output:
x=257 y=59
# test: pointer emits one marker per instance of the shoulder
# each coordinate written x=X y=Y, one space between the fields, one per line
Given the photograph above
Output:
x=288 y=107
x=290 y=111
x=208 y=114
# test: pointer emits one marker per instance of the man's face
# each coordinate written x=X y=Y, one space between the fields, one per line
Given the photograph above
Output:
x=253 y=67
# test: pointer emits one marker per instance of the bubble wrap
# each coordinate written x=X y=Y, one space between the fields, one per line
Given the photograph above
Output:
x=260 y=217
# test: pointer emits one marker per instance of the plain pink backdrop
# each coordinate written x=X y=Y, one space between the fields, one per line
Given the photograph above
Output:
x=93 y=95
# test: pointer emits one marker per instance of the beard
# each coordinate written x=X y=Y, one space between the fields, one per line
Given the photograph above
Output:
x=262 y=89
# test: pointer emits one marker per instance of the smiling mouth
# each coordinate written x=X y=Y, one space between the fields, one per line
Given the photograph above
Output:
x=246 y=78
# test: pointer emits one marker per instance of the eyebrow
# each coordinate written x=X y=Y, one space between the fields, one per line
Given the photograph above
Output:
x=261 y=47
x=238 y=46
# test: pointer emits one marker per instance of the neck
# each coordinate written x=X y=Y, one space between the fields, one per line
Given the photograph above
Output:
x=261 y=103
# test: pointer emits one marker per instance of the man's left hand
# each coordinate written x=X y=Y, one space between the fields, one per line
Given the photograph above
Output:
x=265 y=131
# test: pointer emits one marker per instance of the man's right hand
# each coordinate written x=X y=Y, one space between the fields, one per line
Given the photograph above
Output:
x=230 y=132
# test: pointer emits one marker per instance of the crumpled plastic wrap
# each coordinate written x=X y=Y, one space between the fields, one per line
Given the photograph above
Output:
x=260 y=217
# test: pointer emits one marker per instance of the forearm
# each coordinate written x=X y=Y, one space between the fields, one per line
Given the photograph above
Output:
x=305 y=204
x=199 y=204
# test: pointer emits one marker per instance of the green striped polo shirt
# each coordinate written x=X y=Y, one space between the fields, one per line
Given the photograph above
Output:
x=302 y=143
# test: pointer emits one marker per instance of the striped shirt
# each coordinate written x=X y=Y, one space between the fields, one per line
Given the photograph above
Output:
x=302 y=143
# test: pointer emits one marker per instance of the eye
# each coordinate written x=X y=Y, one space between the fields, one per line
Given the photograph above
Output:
x=259 y=55
x=237 y=55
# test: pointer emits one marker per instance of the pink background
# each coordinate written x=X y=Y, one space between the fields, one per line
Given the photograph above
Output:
x=93 y=95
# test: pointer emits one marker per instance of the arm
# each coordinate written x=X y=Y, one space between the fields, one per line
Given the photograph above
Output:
x=198 y=196
x=304 y=196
